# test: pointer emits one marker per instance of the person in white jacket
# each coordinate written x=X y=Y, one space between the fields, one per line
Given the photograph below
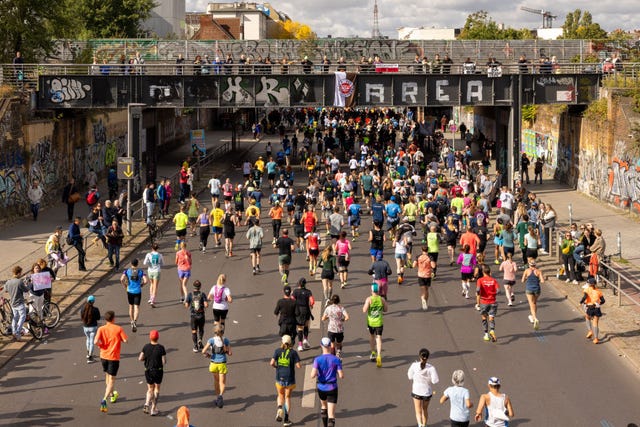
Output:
x=35 y=194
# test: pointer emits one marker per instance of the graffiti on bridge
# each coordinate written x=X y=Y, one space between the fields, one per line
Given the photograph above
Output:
x=624 y=183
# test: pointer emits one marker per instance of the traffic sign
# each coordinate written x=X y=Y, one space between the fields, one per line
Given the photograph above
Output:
x=125 y=168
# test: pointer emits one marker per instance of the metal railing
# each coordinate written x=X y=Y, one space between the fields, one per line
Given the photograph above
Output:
x=26 y=76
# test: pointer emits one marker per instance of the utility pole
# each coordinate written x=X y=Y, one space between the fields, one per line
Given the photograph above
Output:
x=375 y=31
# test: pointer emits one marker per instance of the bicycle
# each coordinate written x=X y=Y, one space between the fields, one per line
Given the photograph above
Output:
x=33 y=322
x=50 y=314
x=155 y=232
x=6 y=317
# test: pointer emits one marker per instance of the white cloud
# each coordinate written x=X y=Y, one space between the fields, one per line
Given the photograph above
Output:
x=345 y=18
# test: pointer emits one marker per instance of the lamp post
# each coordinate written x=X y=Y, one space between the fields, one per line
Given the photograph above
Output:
x=134 y=123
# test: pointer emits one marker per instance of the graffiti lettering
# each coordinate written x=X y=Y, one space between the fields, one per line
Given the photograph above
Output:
x=63 y=90
x=272 y=92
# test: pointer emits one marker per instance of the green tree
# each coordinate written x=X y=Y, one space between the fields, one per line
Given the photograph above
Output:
x=580 y=25
x=109 y=18
x=480 y=26
x=29 y=26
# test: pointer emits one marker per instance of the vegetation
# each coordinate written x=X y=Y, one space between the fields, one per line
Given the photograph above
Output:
x=529 y=113
x=298 y=31
x=597 y=111
x=580 y=25
x=480 y=26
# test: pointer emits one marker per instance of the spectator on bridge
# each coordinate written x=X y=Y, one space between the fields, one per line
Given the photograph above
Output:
x=307 y=65
x=342 y=64
x=436 y=65
x=523 y=65
x=139 y=62
x=228 y=64
x=18 y=65
x=179 y=66
x=105 y=68
x=469 y=66
x=447 y=62
x=326 y=63
x=197 y=65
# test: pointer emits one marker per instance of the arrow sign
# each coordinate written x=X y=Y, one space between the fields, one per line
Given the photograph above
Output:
x=126 y=168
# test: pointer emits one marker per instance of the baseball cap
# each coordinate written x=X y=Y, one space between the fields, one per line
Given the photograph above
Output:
x=154 y=335
x=91 y=298
x=591 y=280
x=379 y=256
x=325 y=342
x=287 y=290
x=494 y=381
x=286 y=339
x=393 y=198
x=429 y=196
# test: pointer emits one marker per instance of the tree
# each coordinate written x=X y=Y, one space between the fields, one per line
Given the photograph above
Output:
x=109 y=18
x=29 y=26
x=298 y=31
x=480 y=26
x=580 y=25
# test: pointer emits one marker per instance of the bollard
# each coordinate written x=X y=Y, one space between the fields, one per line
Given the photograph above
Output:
x=619 y=242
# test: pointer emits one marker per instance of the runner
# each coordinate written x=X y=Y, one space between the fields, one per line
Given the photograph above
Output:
x=377 y=211
x=343 y=250
x=355 y=210
x=509 y=269
x=275 y=213
x=193 y=206
x=468 y=263
x=204 y=223
x=304 y=304
x=155 y=261
x=255 y=234
x=486 y=290
x=217 y=349
x=90 y=316
x=470 y=238
x=392 y=210
x=423 y=376
x=285 y=360
x=533 y=278
x=336 y=315
x=401 y=245
x=495 y=406
x=285 y=247
x=335 y=223
x=309 y=219
x=183 y=262
x=374 y=307
x=451 y=236
x=133 y=279
x=433 y=245
x=217 y=216
x=327 y=368
x=286 y=312
x=592 y=300
x=196 y=302
x=214 y=188
x=460 y=400
x=313 y=250
x=221 y=297
x=425 y=275
x=109 y=339
x=377 y=237
x=154 y=357
x=380 y=270
x=229 y=224
x=181 y=220
x=329 y=266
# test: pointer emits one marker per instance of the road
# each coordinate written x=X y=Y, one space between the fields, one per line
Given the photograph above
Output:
x=555 y=377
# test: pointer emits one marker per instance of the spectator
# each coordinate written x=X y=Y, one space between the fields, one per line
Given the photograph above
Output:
x=179 y=65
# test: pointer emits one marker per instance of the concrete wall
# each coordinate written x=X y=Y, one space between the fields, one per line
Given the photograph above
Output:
x=55 y=149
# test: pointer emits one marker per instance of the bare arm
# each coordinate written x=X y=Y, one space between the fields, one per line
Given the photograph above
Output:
x=141 y=357
x=365 y=307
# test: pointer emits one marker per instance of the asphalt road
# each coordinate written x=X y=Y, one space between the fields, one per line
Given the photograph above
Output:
x=554 y=376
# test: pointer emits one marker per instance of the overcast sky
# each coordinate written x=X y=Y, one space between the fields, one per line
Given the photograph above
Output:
x=345 y=18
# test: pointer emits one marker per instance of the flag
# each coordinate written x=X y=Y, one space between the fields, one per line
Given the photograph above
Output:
x=345 y=89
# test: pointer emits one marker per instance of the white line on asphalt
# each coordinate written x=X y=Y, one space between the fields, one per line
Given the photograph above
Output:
x=316 y=311
x=308 y=391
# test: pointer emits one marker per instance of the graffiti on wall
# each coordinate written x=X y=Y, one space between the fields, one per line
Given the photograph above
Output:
x=537 y=144
x=624 y=183
x=103 y=152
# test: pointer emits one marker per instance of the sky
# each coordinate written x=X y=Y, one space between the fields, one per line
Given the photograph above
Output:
x=348 y=18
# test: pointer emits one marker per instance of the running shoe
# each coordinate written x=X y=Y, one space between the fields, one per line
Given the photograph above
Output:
x=154 y=412
x=145 y=409
x=589 y=335
x=200 y=245
x=300 y=348
x=219 y=402
x=279 y=415
x=200 y=345
x=343 y=285
x=379 y=361
x=530 y=317
x=103 y=406
x=373 y=356
x=284 y=279
x=114 y=396
x=536 y=324
x=486 y=337
x=287 y=423
x=195 y=349
x=493 y=335
x=596 y=340
x=306 y=344
x=466 y=294
x=134 y=327
x=400 y=280
x=425 y=306
x=253 y=270
x=509 y=303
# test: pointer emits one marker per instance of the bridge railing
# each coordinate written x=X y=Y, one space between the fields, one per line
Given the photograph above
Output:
x=25 y=76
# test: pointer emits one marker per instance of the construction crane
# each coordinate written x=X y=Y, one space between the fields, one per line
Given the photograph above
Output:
x=375 y=31
x=547 y=17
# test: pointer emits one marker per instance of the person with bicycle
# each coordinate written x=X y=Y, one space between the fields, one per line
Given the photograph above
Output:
x=37 y=294
x=16 y=287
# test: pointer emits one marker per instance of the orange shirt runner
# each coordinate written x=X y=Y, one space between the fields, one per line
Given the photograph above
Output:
x=110 y=338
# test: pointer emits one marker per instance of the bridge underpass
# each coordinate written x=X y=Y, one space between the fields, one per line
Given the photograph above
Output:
x=506 y=92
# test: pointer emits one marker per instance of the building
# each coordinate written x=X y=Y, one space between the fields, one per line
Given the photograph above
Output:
x=422 y=33
x=236 y=21
x=167 y=19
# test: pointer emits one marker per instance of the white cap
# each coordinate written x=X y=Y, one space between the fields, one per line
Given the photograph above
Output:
x=325 y=342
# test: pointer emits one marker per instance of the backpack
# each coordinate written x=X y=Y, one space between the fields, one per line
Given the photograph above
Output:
x=466 y=260
x=92 y=198
x=218 y=349
x=133 y=274
x=69 y=240
x=218 y=294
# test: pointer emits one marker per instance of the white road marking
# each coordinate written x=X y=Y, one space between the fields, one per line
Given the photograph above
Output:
x=316 y=311
x=309 y=389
